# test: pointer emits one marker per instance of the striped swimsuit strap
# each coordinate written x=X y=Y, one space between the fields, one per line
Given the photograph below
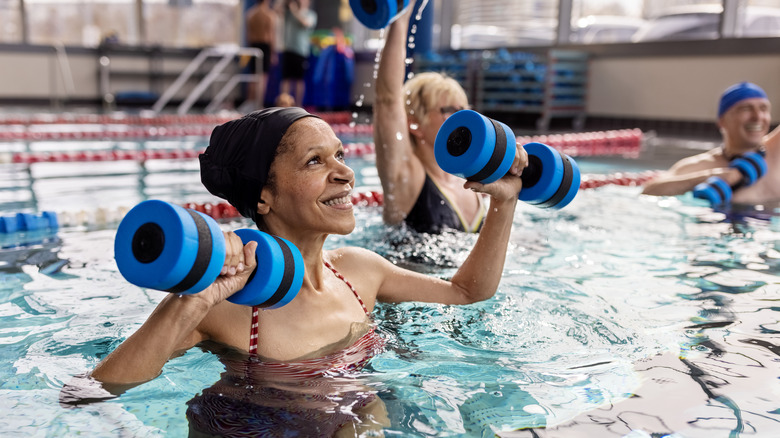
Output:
x=253 y=332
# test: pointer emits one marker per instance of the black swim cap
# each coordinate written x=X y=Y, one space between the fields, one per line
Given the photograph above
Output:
x=236 y=163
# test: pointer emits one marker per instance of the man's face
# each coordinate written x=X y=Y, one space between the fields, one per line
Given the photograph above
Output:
x=746 y=123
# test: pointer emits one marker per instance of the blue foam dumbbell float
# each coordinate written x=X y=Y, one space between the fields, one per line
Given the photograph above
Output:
x=717 y=191
x=170 y=248
x=479 y=148
x=377 y=14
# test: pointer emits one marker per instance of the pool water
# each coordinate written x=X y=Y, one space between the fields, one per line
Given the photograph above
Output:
x=620 y=315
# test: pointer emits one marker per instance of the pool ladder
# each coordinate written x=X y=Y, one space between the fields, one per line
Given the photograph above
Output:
x=227 y=55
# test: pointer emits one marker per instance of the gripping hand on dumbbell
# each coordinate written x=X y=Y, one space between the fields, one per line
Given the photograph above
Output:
x=240 y=263
x=717 y=191
x=506 y=186
x=166 y=247
x=479 y=149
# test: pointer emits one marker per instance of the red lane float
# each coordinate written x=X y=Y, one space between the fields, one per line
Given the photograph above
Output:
x=338 y=117
x=350 y=150
x=627 y=143
x=225 y=211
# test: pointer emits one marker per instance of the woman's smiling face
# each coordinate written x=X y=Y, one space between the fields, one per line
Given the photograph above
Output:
x=312 y=185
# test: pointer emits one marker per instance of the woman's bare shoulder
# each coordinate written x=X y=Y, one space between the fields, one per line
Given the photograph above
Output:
x=349 y=256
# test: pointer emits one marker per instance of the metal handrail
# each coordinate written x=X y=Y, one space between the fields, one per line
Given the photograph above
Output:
x=227 y=53
x=65 y=74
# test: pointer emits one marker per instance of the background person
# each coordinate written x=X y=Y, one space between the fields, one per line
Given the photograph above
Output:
x=261 y=24
x=744 y=118
x=407 y=117
x=299 y=22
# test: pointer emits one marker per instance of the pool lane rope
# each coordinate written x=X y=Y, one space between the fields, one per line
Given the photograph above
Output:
x=627 y=143
x=223 y=211
x=339 y=117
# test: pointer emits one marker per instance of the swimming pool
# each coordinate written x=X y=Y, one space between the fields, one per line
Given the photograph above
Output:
x=618 y=315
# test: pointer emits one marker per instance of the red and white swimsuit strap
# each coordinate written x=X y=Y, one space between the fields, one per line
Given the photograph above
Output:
x=256 y=310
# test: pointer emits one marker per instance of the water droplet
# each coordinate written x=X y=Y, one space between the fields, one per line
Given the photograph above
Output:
x=354 y=115
x=409 y=61
x=399 y=136
x=413 y=126
x=410 y=75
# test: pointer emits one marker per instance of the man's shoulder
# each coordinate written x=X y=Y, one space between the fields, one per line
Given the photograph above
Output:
x=703 y=160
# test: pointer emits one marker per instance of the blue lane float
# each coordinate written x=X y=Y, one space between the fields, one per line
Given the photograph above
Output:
x=26 y=229
x=377 y=14
x=46 y=221
x=170 y=248
x=481 y=149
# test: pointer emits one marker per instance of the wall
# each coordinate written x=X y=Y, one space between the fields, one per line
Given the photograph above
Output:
x=679 y=81
x=673 y=81
x=40 y=74
x=676 y=88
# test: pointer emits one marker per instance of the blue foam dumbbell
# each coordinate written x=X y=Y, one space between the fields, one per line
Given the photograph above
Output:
x=718 y=192
x=752 y=166
x=715 y=190
x=377 y=14
x=479 y=148
x=170 y=248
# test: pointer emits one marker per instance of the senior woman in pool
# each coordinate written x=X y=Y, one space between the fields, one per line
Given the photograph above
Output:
x=407 y=116
x=284 y=168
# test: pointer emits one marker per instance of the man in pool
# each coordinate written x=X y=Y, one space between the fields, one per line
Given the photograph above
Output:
x=284 y=168
x=744 y=117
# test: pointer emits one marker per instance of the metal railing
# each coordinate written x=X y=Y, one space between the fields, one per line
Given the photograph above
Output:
x=65 y=76
x=227 y=54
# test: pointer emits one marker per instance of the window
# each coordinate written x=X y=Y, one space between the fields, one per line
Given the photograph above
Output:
x=195 y=23
x=81 y=22
x=10 y=22
x=169 y=23
x=479 y=24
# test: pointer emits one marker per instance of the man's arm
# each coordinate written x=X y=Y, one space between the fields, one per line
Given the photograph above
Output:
x=684 y=175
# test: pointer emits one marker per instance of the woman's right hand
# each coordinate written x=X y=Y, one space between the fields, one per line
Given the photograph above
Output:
x=240 y=262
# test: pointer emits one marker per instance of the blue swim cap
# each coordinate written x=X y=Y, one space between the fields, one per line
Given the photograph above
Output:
x=739 y=92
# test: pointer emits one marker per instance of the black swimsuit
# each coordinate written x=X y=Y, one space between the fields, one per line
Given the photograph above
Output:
x=434 y=213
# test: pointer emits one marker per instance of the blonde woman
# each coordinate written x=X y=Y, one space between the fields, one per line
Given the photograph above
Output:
x=407 y=117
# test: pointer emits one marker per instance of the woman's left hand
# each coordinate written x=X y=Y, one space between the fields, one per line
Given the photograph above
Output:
x=509 y=186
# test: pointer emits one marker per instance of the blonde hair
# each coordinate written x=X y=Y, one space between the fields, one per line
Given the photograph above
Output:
x=425 y=89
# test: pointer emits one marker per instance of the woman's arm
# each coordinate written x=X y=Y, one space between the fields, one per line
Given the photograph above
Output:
x=477 y=278
x=400 y=171
x=173 y=326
